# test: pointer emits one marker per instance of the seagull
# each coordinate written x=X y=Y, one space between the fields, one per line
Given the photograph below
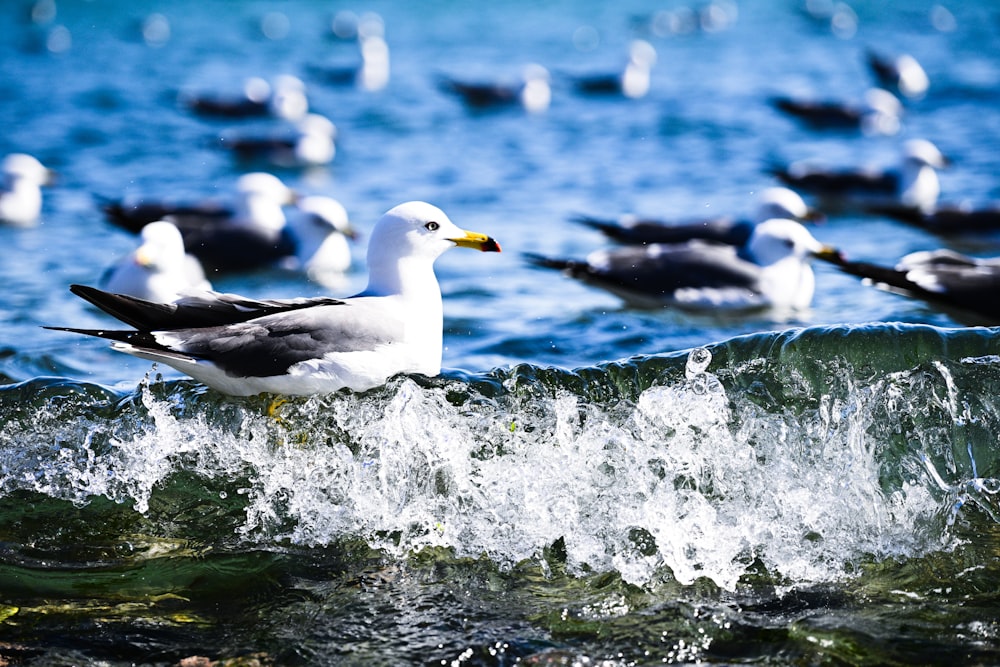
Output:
x=310 y=143
x=902 y=74
x=158 y=270
x=771 y=271
x=250 y=233
x=245 y=347
x=914 y=184
x=286 y=100
x=632 y=82
x=947 y=219
x=21 y=194
x=963 y=285
x=531 y=91
x=370 y=75
x=322 y=231
x=878 y=114
x=775 y=202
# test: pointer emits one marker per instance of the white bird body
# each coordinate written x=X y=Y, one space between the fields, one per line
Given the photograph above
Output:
x=21 y=193
x=304 y=346
x=159 y=269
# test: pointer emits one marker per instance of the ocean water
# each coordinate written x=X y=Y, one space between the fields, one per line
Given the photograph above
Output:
x=585 y=483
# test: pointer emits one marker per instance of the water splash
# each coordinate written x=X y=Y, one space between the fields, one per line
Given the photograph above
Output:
x=711 y=465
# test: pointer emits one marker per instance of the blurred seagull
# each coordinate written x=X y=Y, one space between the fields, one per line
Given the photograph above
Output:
x=771 y=271
x=321 y=232
x=310 y=143
x=902 y=74
x=913 y=184
x=286 y=100
x=775 y=202
x=947 y=219
x=632 y=82
x=159 y=269
x=371 y=74
x=531 y=91
x=305 y=346
x=258 y=201
x=878 y=114
x=21 y=194
x=960 y=285
x=246 y=235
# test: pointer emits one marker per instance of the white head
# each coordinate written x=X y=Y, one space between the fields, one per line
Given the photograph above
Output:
x=536 y=93
x=256 y=89
x=635 y=79
x=923 y=153
x=783 y=248
x=315 y=144
x=406 y=241
x=260 y=198
x=374 y=73
x=18 y=168
x=162 y=247
x=777 y=239
x=781 y=203
x=913 y=81
x=882 y=112
x=289 y=99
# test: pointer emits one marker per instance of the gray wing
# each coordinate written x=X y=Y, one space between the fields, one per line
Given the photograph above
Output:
x=204 y=310
x=663 y=269
x=270 y=345
x=659 y=270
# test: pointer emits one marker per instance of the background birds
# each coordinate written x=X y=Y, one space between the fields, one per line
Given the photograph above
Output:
x=632 y=81
x=286 y=100
x=246 y=233
x=531 y=91
x=773 y=202
x=964 y=286
x=913 y=184
x=321 y=231
x=309 y=142
x=771 y=271
x=159 y=269
x=878 y=113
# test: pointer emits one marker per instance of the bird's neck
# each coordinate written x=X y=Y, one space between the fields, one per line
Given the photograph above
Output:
x=919 y=186
x=407 y=277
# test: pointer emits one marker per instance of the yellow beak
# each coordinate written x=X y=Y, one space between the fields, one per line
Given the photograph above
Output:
x=477 y=241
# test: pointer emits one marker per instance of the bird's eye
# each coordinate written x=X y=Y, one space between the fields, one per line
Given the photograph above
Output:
x=432 y=226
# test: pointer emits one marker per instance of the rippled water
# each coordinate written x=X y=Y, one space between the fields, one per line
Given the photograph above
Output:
x=587 y=484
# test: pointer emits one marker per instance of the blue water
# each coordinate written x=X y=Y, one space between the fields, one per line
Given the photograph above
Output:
x=578 y=487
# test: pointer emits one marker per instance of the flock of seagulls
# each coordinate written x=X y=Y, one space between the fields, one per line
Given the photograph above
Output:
x=243 y=346
x=532 y=90
x=733 y=265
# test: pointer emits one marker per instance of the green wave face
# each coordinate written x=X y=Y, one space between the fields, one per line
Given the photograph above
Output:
x=775 y=462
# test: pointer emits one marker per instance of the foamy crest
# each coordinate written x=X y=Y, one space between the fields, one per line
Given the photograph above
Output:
x=690 y=478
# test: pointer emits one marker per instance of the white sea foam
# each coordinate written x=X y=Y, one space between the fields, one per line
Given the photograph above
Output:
x=686 y=477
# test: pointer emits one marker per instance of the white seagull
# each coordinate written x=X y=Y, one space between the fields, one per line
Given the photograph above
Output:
x=159 y=269
x=322 y=231
x=914 y=184
x=21 y=190
x=248 y=234
x=776 y=202
x=771 y=271
x=244 y=347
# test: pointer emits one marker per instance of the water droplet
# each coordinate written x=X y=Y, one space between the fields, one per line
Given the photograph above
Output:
x=697 y=362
